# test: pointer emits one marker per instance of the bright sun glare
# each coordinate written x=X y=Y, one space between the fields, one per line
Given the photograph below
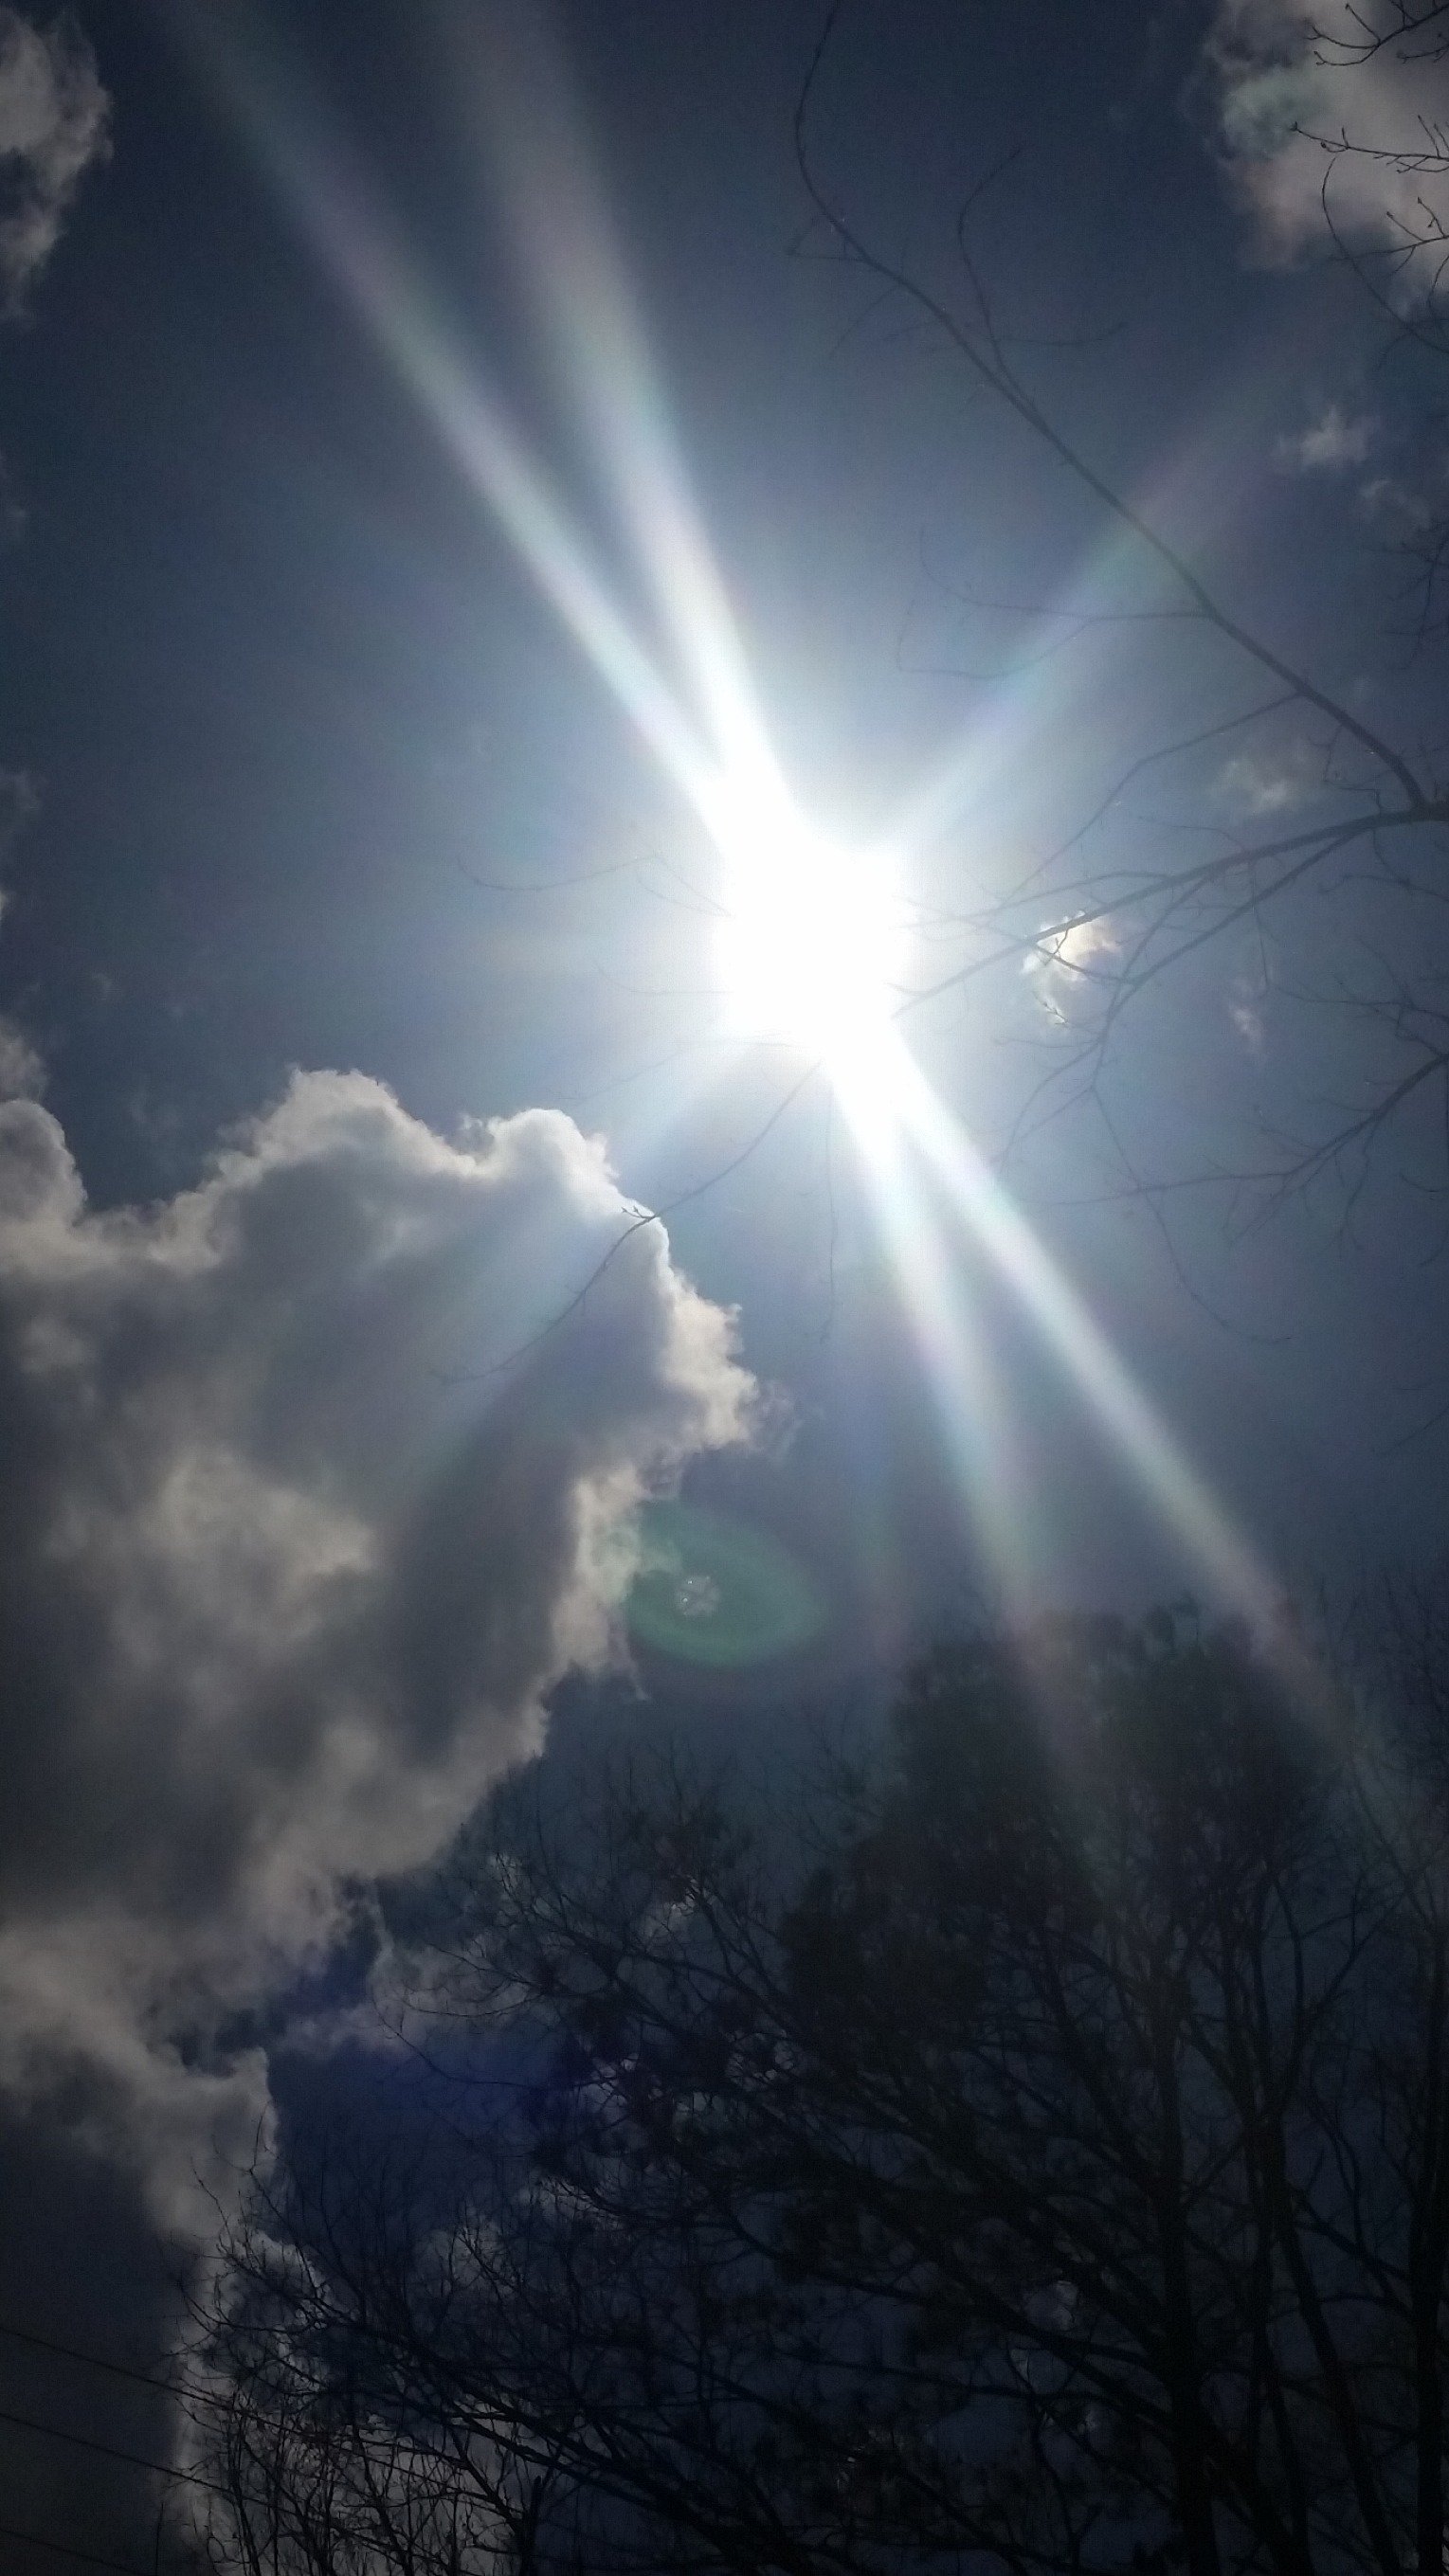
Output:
x=810 y=945
x=812 y=936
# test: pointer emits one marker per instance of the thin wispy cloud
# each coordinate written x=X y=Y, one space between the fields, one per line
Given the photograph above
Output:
x=1330 y=444
x=1406 y=508
x=54 y=118
x=1247 y=1000
x=1273 y=780
x=22 y=1069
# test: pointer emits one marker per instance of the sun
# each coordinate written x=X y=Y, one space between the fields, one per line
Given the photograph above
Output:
x=809 y=945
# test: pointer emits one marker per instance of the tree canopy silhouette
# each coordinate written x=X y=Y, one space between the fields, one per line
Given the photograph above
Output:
x=1034 y=2155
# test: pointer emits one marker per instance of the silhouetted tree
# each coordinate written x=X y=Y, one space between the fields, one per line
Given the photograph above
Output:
x=1034 y=2156
x=1332 y=870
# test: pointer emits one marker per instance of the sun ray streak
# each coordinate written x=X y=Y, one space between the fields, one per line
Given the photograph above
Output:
x=567 y=243
x=331 y=204
x=1184 y=1501
x=713 y=744
x=971 y=1419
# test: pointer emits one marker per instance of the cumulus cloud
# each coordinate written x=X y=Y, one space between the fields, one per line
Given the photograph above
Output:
x=53 y=121
x=1330 y=444
x=281 y=1588
x=1293 y=80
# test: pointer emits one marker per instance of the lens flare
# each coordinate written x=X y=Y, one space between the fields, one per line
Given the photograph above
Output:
x=711 y=1590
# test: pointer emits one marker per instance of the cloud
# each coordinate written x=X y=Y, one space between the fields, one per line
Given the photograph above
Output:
x=53 y=125
x=22 y=1070
x=1069 y=962
x=19 y=803
x=1329 y=445
x=1272 y=781
x=281 y=1590
x=1290 y=82
x=1408 y=508
x=1247 y=995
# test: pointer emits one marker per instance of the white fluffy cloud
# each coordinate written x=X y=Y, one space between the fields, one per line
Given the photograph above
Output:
x=53 y=118
x=1068 y=966
x=284 y=1568
x=1292 y=82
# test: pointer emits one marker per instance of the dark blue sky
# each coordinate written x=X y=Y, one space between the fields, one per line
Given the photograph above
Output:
x=283 y=678
x=308 y=773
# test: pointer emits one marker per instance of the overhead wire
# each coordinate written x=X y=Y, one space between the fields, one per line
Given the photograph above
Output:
x=109 y=2451
x=141 y=2379
x=106 y=2450
x=99 y=2361
x=63 y=2549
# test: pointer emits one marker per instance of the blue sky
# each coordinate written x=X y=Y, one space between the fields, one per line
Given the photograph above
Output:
x=407 y=415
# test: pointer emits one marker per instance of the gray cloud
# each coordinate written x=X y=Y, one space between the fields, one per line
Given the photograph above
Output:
x=279 y=1591
x=22 y=1070
x=1333 y=441
x=1287 y=79
x=19 y=803
x=1273 y=778
x=53 y=120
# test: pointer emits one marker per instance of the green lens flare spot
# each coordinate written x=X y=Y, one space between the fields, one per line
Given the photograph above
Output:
x=711 y=1590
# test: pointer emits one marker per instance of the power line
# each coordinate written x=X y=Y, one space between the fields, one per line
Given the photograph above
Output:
x=120 y=2370
x=108 y=2451
x=177 y=2389
x=97 y=2361
x=62 y=2549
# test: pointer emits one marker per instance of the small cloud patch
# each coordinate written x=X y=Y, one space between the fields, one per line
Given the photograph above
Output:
x=1263 y=783
x=1068 y=959
x=54 y=117
x=22 y=1069
x=1331 y=444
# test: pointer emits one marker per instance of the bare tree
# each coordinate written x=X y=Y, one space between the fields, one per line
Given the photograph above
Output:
x=1364 y=843
x=1037 y=2158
